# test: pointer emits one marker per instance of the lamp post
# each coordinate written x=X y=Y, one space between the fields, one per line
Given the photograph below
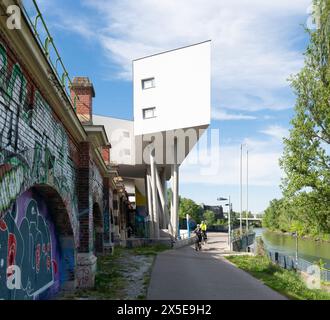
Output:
x=241 y=191
x=247 y=192
x=229 y=219
x=296 y=235
x=241 y=188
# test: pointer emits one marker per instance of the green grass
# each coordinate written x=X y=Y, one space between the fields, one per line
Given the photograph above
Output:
x=110 y=282
x=150 y=250
x=284 y=281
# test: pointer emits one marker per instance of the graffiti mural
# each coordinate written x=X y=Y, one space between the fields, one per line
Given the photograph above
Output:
x=34 y=146
x=35 y=150
x=141 y=213
x=29 y=251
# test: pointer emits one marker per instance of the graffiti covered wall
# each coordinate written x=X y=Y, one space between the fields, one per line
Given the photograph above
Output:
x=29 y=251
x=34 y=146
x=34 y=150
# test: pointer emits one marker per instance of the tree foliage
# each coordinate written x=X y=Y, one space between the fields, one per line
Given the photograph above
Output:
x=306 y=159
x=209 y=217
x=188 y=206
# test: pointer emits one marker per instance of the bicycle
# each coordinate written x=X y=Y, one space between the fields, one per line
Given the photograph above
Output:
x=204 y=237
x=198 y=245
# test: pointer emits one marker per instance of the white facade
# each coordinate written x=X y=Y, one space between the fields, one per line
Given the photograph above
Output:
x=121 y=135
x=172 y=90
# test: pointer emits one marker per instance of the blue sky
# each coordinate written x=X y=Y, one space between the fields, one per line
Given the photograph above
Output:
x=256 y=46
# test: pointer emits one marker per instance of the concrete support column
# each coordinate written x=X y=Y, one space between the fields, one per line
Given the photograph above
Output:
x=153 y=168
x=150 y=207
x=175 y=196
x=165 y=208
x=160 y=190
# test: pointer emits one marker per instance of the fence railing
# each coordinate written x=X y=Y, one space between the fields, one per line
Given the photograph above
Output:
x=241 y=243
x=290 y=263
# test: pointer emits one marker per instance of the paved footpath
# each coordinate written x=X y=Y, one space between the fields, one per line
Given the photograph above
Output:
x=185 y=274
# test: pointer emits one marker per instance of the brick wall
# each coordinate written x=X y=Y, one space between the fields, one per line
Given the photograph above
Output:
x=82 y=94
x=38 y=153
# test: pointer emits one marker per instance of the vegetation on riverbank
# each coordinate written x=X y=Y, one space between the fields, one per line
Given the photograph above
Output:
x=288 y=283
x=125 y=275
x=305 y=206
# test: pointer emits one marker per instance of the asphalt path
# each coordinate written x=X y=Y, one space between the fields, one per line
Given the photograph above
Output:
x=185 y=274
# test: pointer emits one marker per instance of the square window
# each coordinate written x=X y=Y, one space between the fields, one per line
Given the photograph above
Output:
x=149 y=113
x=148 y=83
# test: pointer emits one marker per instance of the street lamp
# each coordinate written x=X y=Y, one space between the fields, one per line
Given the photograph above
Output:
x=241 y=188
x=296 y=235
x=229 y=218
x=247 y=192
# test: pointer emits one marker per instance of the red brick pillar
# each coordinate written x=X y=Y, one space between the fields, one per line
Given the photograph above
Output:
x=82 y=94
x=106 y=216
x=86 y=260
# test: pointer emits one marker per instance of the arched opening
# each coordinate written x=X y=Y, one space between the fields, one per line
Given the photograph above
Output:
x=98 y=232
x=37 y=253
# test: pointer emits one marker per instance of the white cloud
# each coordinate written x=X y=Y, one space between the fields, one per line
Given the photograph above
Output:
x=276 y=132
x=224 y=116
x=253 y=41
x=210 y=164
x=264 y=167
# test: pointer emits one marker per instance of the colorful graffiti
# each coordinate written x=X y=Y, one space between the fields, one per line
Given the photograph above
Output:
x=29 y=251
x=141 y=213
x=34 y=147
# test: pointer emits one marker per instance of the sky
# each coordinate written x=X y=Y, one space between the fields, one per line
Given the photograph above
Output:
x=257 y=46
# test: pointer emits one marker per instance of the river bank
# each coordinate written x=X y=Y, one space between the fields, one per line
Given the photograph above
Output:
x=308 y=249
x=324 y=238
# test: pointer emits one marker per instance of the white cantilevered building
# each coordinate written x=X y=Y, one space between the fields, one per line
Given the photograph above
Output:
x=172 y=109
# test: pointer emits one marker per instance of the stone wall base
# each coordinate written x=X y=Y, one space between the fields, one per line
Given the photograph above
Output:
x=86 y=270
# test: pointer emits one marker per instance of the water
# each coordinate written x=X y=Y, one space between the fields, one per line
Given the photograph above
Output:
x=308 y=249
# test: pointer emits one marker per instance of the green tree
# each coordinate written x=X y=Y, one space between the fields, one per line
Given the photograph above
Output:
x=188 y=206
x=272 y=213
x=209 y=217
x=306 y=160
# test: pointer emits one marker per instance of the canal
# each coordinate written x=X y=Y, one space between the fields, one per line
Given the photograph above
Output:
x=308 y=249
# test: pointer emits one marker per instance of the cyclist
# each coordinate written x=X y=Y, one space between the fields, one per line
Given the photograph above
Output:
x=198 y=232
x=204 y=228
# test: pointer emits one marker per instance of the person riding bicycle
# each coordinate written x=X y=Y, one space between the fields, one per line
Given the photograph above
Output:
x=198 y=241
x=203 y=227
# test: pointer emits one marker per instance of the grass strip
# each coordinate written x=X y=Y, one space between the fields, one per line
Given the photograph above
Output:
x=286 y=282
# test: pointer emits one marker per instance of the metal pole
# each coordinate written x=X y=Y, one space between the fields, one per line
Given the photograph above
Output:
x=188 y=226
x=175 y=189
x=229 y=225
x=296 y=250
x=241 y=185
x=247 y=191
